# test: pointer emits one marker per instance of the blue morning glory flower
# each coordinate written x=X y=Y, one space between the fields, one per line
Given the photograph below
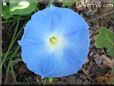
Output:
x=55 y=42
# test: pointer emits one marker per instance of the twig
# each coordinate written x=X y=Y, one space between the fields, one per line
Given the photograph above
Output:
x=96 y=18
x=107 y=61
x=86 y=74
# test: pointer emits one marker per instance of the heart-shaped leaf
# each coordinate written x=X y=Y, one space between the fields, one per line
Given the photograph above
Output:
x=22 y=7
x=105 y=39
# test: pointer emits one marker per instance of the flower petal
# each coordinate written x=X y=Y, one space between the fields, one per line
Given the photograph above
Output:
x=35 y=28
x=67 y=21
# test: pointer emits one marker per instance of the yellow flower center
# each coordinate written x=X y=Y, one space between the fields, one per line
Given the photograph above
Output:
x=53 y=41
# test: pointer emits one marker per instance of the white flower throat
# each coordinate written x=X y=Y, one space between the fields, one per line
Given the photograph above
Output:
x=55 y=43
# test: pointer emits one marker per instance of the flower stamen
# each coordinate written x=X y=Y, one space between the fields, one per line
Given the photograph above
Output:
x=53 y=41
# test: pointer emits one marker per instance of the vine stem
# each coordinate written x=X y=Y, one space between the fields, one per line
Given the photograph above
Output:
x=50 y=3
x=11 y=43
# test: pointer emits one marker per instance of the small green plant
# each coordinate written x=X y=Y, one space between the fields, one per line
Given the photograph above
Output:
x=105 y=39
x=18 y=7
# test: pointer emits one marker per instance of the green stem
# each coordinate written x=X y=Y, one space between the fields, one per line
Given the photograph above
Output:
x=12 y=71
x=12 y=54
x=15 y=52
x=11 y=44
x=6 y=75
x=50 y=3
x=50 y=80
x=10 y=68
x=17 y=48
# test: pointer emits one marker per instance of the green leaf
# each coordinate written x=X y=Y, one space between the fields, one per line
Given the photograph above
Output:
x=105 y=39
x=6 y=12
x=22 y=7
x=69 y=2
